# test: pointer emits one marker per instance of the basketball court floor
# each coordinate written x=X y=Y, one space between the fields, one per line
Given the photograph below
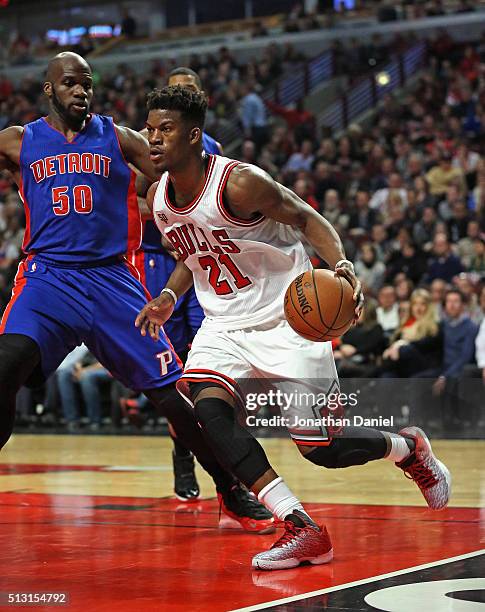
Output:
x=94 y=517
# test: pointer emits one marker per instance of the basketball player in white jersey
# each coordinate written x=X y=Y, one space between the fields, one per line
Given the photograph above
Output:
x=234 y=229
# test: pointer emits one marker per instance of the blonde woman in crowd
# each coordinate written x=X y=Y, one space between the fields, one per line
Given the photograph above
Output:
x=417 y=344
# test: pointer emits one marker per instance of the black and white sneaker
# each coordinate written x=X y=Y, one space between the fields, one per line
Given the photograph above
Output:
x=240 y=505
x=186 y=487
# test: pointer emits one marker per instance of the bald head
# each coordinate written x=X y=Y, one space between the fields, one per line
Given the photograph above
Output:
x=69 y=87
x=63 y=61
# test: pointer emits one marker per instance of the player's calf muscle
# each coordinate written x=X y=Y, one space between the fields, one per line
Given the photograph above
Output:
x=233 y=445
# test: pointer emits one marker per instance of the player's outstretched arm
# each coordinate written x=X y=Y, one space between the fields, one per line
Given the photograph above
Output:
x=159 y=310
x=10 y=141
x=136 y=151
x=250 y=190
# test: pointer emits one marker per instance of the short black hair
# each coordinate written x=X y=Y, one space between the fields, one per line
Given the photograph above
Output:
x=454 y=291
x=186 y=72
x=191 y=104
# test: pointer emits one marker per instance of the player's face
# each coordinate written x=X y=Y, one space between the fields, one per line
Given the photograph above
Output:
x=184 y=80
x=71 y=93
x=170 y=139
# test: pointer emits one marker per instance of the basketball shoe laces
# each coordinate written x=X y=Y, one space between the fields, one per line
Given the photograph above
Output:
x=291 y=531
x=421 y=474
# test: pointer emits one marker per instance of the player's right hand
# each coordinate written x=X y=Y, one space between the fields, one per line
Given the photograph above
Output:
x=154 y=314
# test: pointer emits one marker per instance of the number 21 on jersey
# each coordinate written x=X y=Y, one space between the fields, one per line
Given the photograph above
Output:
x=233 y=273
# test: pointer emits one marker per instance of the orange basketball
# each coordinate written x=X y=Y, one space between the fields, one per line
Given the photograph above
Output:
x=319 y=305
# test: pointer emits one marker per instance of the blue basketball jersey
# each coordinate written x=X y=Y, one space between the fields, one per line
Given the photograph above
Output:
x=79 y=196
x=210 y=146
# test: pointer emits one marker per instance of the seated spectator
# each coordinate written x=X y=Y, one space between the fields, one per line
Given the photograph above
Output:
x=387 y=310
x=445 y=206
x=394 y=215
x=466 y=245
x=467 y=160
x=357 y=181
x=464 y=283
x=302 y=189
x=369 y=269
x=478 y=194
x=413 y=169
x=441 y=176
x=332 y=210
x=459 y=333
x=458 y=221
x=248 y=152
x=410 y=261
x=327 y=152
x=477 y=261
x=324 y=180
x=355 y=356
x=424 y=230
x=421 y=187
x=443 y=263
x=414 y=210
x=380 y=198
x=80 y=368
x=417 y=345
x=404 y=287
x=473 y=392
x=404 y=311
x=300 y=160
x=438 y=290
x=380 y=239
x=362 y=216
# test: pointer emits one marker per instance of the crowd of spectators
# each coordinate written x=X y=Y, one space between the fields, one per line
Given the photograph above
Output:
x=407 y=197
x=18 y=48
x=406 y=194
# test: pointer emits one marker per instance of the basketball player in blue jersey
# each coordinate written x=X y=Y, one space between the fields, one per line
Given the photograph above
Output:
x=75 y=285
x=155 y=266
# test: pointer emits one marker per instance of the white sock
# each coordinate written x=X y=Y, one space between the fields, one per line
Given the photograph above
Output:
x=278 y=498
x=399 y=448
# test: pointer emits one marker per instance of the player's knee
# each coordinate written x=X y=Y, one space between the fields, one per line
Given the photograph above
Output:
x=19 y=356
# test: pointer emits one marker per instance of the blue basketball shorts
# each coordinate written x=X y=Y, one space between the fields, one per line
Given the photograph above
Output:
x=155 y=269
x=61 y=307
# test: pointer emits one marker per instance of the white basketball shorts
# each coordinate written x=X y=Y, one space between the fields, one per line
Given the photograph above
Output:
x=300 y=374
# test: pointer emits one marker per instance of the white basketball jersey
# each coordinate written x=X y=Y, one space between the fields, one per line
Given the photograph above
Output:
x=241 y=268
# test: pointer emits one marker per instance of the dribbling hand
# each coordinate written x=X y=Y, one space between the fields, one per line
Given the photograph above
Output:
x=346 y=269
x=154 y=314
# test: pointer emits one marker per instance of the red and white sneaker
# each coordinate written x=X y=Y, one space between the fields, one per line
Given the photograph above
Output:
x=302 y=541
x=240 y=505
x=432 y=477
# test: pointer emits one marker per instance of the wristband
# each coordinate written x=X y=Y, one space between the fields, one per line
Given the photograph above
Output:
x=171 y=293
x=344 y=261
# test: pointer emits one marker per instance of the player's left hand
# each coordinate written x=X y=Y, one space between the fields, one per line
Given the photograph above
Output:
x=346 y=269
x=154 y=314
